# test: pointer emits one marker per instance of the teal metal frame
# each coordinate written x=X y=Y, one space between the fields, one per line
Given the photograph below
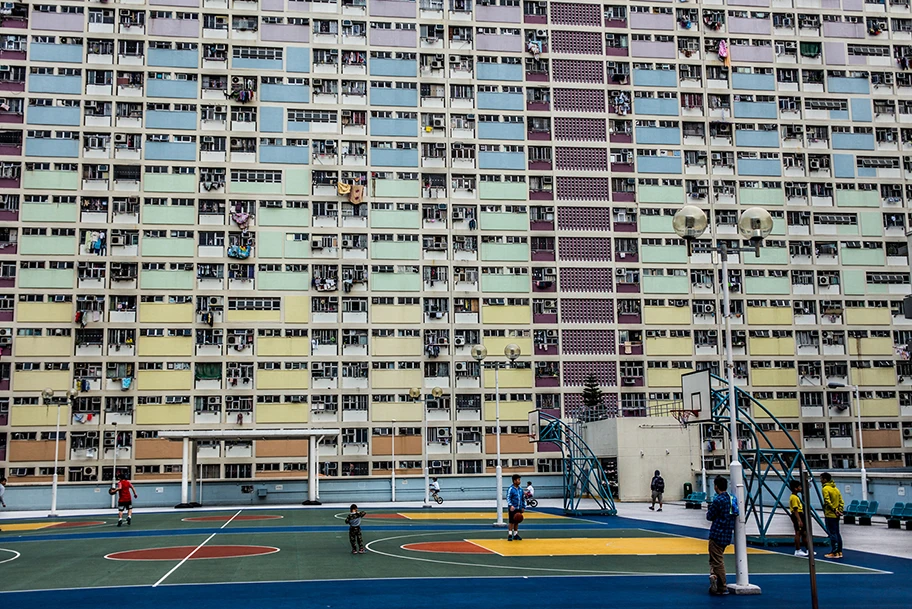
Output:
x=583 y=474
x=764 y=464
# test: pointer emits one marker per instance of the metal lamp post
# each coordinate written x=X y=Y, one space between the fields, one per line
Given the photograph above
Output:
x=511 y=351
x=114 y=470
x=864 y=473
x=415 y=393
x=690 y=222
x=393 y=471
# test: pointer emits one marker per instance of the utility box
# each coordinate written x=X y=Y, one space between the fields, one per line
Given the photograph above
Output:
x=262 y=492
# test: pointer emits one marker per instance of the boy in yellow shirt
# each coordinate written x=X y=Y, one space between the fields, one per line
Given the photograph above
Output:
x=796 y=511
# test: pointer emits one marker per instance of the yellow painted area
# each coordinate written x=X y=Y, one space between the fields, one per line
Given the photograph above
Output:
x=507 y=315
x=774 y=377
x=778 y=408
x=435 y=515
x=163 y=312
x=772 y=346
x=297 y=309
x=510 y=378
x=163 y=414
x=282 y=413
x=165 y=345
x=509 y=411
x=36 y=380
x=661 y=316
x=669 y=346
x=496 y=345
x=769 y=316
x=151 y=380
x=396 y=379
x=665 y=377
x=43 y=346
x=294 y=346
x=26 y=526
x=879 y=408
x=871 y=346
x=383 y=346
x=396 y=314
x=44 y=311
x=865 y=316
x=618 y=546
x=38 y=416
x=253 y=316
x=876 y=377
x=401 y=411
x=282 y=379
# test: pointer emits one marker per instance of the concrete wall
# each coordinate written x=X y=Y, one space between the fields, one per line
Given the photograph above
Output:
x=167 y=494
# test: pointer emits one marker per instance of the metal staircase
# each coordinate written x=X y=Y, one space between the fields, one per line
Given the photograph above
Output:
x=583 y=474
x=765 y=464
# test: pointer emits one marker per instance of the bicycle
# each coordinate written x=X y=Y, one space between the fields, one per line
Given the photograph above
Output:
x=532 y=502
x=436 y=497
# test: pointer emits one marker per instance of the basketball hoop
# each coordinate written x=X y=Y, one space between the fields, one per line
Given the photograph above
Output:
x=682 y=416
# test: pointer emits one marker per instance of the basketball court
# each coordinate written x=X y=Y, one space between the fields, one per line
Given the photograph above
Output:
x=251 y=557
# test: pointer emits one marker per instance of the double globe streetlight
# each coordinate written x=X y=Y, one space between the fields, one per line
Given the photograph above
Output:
x=755 y=223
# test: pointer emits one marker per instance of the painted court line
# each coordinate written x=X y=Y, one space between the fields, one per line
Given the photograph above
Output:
x=197 y=549
x=14 y=556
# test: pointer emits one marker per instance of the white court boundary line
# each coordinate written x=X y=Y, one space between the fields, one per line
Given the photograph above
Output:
x=197 y=549
x=17 y=555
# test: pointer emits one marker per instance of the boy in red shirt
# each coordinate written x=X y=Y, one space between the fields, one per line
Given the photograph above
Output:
x=124 y=501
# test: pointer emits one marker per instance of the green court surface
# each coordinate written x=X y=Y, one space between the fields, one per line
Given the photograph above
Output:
x=290 y=545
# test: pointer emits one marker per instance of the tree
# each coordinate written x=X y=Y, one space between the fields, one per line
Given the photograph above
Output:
x=592 y=398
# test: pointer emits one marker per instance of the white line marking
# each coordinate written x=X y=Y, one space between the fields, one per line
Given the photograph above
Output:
x=17 y=555
x=197 y=549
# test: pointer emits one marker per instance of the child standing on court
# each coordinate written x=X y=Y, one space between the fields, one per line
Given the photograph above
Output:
x=353 y=520
x=796 y=511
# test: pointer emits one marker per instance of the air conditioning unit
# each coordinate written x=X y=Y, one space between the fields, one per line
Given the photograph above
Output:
x=443 y=432
x=117 y=240
x=316 y=244
x=551 y=333
x=547 y=180
x=346 y=23
x=550 y=271
x=436 y=65
x=719 y=462
x=348 y=243
x=120 y=138
x=215 y=301
x=550 y=304
x=541 y=33
x=439 y=123
x=709 y=309
x=455 y=59
x=462 y=366
x=620 y=272
x=823 y=281
x=88 y=471
x=436 y=464
x=907 y=432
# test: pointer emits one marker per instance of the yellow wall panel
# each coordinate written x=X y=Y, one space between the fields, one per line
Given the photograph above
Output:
x=777 y=408
x=662 y=316
x=774 y=377
x=43 y=346
x=282 y=379
x=297 y=309
x=396 y=314
x=282 y=413
x=401 y=411
x=165 y=345
x=36 y=380
x=511 y=378
x=153 y=380
x=496 y=345
x=871 y=346
x=769 y=316
x=44 y=311
x=772 y=346
x=876 y=377
x=509 y=410
x=665 y=377
x=392 y=346
x=252 y=316
x=292 y=346
x=669 y=346
x=163 y=414
x=162 y=312
x=396 y=379
x=868 y=316
x=879 y=408
x=38 y=416
x=506 y=315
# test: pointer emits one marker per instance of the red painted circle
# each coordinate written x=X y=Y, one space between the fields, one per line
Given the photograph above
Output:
x=72 y=525
x=233 y=519
x=447 y=547
x=181 y=552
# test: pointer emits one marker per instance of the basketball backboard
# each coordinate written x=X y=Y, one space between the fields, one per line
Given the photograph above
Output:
x=697 y=395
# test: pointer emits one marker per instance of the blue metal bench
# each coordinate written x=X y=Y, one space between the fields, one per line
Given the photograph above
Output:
x=871 y=511
x=853 y=510
x=894 y=521
x=694 y=501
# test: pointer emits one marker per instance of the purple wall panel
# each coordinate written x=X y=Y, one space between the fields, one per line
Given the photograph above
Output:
x=280 y=32
x=391 y=8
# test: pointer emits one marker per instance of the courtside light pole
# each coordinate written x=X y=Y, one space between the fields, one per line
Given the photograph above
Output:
x=755 y=223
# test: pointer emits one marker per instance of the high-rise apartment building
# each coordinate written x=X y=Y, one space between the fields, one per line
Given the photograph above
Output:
x=237 y=213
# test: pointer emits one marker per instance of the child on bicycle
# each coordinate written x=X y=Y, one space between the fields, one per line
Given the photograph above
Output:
x=530 y=491
x=434 y=486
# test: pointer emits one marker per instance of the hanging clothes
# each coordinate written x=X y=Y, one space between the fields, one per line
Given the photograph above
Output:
x=125 y=383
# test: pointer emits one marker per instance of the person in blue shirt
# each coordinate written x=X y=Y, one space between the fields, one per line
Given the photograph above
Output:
x=516 y=503
x=722 y=512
